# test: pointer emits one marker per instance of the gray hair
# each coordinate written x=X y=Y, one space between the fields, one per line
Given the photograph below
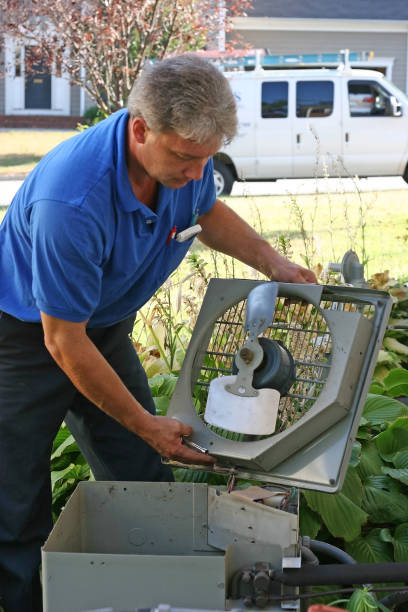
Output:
x=188 y=95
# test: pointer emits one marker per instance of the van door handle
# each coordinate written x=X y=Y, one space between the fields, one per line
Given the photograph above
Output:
x=347 y=137
x=298 y=138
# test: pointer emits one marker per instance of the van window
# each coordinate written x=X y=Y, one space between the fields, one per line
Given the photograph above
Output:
x=314 y=98
x=275 y=100
x=367 y=98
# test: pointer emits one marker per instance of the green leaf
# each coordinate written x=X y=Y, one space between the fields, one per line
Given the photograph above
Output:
x=370 y=548
x=382 y=481
x=385 y=535
x=59 y=474
x=395 y=346
x=399 y=540
x=401 y=475
x=395 y=378
x=162 y=384
x=309 y=522
x=377 y=387
x=352 y=487
x=65 y=446
x=397 y=391
x=400 y=460
x=341 y=516
x=370 y=461
x=383 y=504
x=401 y=543
x=400 y=471
x=162 y=403
x=380 y=408
x=355 y=454
x=62 y=434
x=393 y=439
x=362 y=601
x=364 y=434
x=383 y=357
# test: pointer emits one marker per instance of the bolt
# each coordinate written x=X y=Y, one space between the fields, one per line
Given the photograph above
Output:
x=246 y=577
x=246 y=355
x=261 y=600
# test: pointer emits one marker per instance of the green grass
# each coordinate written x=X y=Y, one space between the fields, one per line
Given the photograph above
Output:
x=26 y=148
x=334 y=223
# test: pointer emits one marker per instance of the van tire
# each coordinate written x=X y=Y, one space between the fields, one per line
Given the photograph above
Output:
x=223 y=178
x=405 y=175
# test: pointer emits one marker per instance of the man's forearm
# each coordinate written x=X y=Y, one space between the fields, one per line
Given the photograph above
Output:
x=225 y=231
x=92 y=375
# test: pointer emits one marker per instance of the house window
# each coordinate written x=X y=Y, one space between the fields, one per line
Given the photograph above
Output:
x=275 y=100
x=17 y=61
x=314 y=98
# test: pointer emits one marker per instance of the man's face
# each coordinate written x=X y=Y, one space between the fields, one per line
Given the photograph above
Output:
x=173 y=160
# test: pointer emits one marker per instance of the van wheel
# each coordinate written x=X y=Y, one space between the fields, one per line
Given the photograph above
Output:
x=405 y=175
x=223 y=178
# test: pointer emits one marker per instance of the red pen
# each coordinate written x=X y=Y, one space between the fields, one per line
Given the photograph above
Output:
x=173 y=232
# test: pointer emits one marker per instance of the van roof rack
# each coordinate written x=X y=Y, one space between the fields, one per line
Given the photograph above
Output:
x=263 y=60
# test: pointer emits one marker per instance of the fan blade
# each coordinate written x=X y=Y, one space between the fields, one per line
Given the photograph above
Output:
x=261 y=308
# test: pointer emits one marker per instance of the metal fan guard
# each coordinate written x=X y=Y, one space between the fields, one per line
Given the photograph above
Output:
x=303 y=330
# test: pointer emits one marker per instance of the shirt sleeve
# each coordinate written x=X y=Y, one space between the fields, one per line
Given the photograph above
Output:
x=67 y=256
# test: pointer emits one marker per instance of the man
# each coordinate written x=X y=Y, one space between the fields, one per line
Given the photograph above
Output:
x=87 y=240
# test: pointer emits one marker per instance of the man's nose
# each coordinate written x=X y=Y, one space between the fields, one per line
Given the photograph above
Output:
x=195 y=169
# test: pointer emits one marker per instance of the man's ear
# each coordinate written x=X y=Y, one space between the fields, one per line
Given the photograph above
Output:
x=139 y=129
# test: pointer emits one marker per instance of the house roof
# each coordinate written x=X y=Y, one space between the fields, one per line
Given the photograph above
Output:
x=392 y=10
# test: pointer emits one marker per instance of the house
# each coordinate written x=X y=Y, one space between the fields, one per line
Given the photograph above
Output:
x=378 y=29
x=44 y=98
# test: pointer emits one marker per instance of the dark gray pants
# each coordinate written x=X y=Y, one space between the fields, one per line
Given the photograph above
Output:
x=35 y=397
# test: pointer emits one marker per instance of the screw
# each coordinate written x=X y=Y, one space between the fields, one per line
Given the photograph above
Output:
x=246 y=355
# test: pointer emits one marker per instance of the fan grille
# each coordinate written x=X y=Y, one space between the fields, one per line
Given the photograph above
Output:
x=303 y=330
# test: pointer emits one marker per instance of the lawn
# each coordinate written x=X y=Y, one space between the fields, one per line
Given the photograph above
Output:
x=321 y=227
x=26 y=148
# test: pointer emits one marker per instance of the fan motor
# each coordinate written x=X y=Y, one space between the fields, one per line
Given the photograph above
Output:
x=277 y=370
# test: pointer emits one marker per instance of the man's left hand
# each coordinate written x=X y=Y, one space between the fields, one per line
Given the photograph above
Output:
x=286 y=271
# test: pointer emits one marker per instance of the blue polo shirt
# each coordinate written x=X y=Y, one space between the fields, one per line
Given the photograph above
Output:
x=77 y=244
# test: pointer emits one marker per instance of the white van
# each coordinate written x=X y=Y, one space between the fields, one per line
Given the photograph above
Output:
x=302 y=123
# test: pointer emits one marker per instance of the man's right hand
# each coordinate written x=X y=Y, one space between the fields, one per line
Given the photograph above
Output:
x=165 y=435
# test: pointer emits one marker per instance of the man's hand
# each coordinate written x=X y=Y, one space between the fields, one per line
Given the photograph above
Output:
x=285 y=271
x=165 y=435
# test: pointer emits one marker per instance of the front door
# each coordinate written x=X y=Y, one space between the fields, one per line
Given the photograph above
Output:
x=37 y=82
